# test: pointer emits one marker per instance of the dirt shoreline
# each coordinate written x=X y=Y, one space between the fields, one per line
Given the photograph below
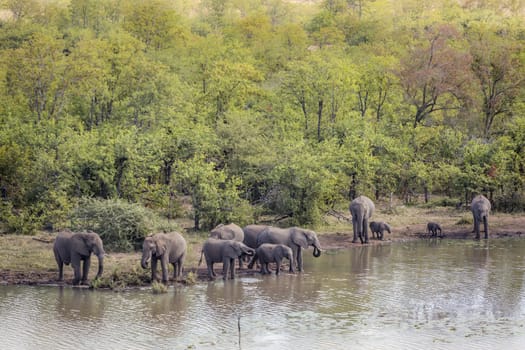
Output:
x=45 y=272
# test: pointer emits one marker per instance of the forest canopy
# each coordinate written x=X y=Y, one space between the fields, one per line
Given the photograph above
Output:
x=231 y=110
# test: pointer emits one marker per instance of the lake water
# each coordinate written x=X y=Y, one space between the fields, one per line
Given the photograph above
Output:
x=440 y=294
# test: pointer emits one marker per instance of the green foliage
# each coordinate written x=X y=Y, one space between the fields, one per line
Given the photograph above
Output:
x=252 y=108
x=121 y=225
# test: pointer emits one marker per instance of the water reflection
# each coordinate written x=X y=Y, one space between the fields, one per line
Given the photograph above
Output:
x=79 y=303
x=440 y=294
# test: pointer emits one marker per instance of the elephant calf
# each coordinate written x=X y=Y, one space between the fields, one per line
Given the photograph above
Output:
x=378 y=228
x=434 y=229
x=272 y=253
x=225 y=251
x=72 y=248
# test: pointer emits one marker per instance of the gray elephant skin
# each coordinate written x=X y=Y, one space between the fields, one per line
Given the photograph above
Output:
x=434 y=229
x=74 y=248
x=169 y=248
x=230 y=231
x=480 y=207
x=251 y=233
x=225 y=252
x=379 y=228
x=361 y=208
x=294 y=237
x=268 y=253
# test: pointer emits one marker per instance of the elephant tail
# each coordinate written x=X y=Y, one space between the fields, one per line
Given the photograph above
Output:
x=200 y=260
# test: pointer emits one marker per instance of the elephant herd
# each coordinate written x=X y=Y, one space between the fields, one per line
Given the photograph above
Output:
x=362 y=209
x=228 y=243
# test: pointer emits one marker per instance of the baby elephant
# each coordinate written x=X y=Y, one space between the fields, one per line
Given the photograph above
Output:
x=433 y=228
x=225 y=251
x=272 y=253
x=378 y=228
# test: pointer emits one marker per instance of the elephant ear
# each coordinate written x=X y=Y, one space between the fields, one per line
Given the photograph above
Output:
x=84 y=245
x=160 y=246
x=299 y=238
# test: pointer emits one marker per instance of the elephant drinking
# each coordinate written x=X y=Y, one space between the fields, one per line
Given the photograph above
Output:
x=268 y=253
x=294 y=237
x=225 y=251
x=74 y=248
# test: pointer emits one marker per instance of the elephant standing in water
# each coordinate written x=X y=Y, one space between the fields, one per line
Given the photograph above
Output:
x=268 y=253
x=251 y=234
x=379 y=228
x=225 y=251
x=480 y=207
x=169 y=248
x=361 y=209
x=294 y=237
x=73 y=248
x=230 y=231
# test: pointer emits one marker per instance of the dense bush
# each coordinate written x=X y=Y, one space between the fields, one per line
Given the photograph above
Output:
x=121 y=225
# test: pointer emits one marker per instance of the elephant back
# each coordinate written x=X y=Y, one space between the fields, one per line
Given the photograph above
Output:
x=178 y=245
x=362 y=205
x=274 y=235
x=230 y=231
x=480 y=205
x=251 y=233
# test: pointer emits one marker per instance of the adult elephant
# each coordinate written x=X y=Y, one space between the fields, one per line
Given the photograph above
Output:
x=75 y=248
x=225 y=251
x=230 y=231
x=169 y=248
x=294 y=237
x=268 y=253
x=251 y=233
x=361 y=209
x=480 y=207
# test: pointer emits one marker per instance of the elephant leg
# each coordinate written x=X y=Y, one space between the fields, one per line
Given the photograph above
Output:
x=365 y=230
x=76 y=272
x=300 y=259
x=486 y=226
x=225 y=268
x=277 y=266
x=476 y=227
x=164 y=267
x=356 y=229
x=153 y=269
x=175 y=267
x=60 y=271
x=85 y=269
x=232 y=268
x=294 y=259
x=255 y=257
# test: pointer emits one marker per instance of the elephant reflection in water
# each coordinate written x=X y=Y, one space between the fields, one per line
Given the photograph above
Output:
x=174 y=304
x=80 y=303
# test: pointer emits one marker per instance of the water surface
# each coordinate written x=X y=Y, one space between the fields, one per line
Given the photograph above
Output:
x=441 y=294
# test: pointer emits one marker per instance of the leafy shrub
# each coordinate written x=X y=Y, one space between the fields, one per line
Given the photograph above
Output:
x=121 y=225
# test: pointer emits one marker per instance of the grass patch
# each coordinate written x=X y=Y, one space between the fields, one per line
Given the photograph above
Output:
x=159 y=287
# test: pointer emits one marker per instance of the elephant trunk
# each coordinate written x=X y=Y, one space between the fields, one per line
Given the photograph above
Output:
x=100 y=265
x=145 y=259
x=317 y=251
